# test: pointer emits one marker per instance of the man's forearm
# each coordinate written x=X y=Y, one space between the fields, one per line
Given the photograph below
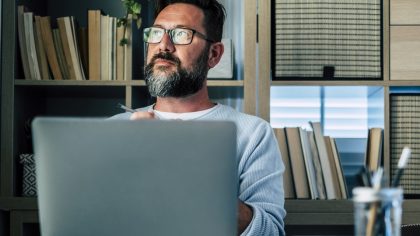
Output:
x=244 y=216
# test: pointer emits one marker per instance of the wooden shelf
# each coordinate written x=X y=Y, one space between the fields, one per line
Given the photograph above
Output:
x=319 y=212
x=18 y=203
x=327 y=83
x=299 y=212
x=382 y=83
x=403 y=83
x=337 y=212
x=225 y=83
x=22 y=82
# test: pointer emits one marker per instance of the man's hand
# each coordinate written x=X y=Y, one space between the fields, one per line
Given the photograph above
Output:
x=244 y=216
x=142 y=115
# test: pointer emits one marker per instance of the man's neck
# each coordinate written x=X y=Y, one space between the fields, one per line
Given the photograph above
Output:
x=196 y=102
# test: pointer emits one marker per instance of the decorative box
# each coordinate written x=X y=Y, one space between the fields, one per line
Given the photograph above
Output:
x=29 y=177
x=224 y=69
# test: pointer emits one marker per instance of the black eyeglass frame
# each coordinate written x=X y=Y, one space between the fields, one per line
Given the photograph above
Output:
x=169 y=32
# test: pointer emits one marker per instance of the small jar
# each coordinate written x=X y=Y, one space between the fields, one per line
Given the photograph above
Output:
x=377 y=212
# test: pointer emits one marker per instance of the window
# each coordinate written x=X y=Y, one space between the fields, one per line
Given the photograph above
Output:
x=344 y=111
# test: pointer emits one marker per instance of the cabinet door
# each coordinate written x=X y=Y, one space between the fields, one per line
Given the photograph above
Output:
x=405 y=12
x=405 y=59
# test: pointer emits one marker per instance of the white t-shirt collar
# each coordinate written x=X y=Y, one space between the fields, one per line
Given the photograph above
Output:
x=181 y=116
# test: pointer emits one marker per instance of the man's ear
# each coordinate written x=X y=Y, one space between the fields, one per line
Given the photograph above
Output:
x=215 y=54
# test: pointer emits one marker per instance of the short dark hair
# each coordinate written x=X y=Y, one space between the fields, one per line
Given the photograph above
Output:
x=214 y=15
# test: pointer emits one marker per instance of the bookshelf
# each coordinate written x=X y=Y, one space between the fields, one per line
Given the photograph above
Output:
x=400 y=67
x=22 y=99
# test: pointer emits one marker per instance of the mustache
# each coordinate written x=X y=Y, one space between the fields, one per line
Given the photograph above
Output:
x=166 y=56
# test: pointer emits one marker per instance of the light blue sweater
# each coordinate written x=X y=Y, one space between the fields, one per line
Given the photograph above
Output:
x=260 y=169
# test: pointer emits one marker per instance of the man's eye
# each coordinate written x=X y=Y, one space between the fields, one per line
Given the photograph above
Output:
x=155 y=33
x=181 y=33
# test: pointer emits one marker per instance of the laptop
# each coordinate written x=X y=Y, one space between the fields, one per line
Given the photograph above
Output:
x=150 y=177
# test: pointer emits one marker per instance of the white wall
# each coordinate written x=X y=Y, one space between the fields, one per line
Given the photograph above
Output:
x=233 y=29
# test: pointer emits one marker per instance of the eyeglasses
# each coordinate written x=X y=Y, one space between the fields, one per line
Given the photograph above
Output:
x=178 y=36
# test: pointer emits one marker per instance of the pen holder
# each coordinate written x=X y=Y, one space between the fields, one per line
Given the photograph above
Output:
x=377 y=212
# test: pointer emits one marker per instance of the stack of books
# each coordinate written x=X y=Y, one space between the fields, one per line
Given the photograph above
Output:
x=69 y=52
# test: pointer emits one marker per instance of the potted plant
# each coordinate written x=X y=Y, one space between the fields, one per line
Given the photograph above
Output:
x=133 y=10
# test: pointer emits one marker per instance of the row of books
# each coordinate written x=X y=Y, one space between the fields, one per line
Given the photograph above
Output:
x=69 y=52
x=312 y=164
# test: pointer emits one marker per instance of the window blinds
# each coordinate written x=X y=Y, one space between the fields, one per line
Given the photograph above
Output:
x=330 y=39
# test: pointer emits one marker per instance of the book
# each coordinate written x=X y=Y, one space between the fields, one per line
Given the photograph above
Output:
x=374 y=147
x=75 y=46
x=66 y=26
x=105 y=49
x=94 y=44
x=60 y=54
x=288 y=186
x=324 y=160
x=112 y=47
x=339 y=167
x=65 y=42
x=309 y=164
x=40 y=51
x=120 y=54
x=48 y=41
x=83 y=47
x=331 y=158
x=317 y=165
x=28 y=21
x=300 y=178
x=22 y=42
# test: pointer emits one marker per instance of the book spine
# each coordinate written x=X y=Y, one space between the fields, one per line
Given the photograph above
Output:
x=22 y=42
x=50 y=47
x=94 y=44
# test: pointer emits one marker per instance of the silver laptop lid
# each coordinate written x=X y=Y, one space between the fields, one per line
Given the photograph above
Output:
x=108 y=177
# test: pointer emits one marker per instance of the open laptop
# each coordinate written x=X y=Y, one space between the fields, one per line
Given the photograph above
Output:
x=151 y=177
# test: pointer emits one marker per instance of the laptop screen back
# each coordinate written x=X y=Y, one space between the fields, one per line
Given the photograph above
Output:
x=108 y=177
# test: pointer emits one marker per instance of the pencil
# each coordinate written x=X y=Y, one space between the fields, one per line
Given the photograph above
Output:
x=125 y=108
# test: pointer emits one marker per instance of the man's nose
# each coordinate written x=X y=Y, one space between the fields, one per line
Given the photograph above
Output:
x=166 y=44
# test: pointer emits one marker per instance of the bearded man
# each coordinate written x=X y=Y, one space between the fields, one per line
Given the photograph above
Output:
x=182 y=45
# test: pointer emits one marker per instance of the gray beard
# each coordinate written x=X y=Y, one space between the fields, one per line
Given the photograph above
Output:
x=179 y=83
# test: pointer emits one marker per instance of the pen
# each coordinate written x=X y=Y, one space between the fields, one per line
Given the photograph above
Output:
x=125 y=108
x=364 y=177
x=402 y=164
x=373 y=211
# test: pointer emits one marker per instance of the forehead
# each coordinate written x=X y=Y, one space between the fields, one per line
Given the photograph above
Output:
x=181 y=14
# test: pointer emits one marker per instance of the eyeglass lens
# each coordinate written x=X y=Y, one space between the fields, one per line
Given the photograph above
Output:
x=177 y=35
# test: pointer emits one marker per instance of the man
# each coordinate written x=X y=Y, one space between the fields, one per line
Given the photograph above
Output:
x=183 y=44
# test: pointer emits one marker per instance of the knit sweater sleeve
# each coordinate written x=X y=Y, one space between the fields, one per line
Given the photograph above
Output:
x=261 y=181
